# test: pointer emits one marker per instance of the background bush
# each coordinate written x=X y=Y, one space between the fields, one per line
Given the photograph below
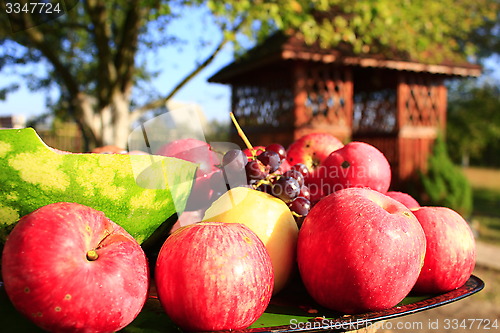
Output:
x=444 y=183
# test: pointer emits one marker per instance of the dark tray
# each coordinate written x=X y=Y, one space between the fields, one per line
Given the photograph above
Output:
x=290 y=311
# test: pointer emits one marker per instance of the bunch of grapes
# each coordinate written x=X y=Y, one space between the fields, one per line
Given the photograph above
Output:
x=263 y=173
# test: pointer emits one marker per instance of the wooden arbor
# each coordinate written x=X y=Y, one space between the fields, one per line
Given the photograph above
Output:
x=284 y=89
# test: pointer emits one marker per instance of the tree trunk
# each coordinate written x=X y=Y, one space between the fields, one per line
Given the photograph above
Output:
x=465 y=159
x=106 y=121
x=121 y=120
x=108 y=125
x=84 y=116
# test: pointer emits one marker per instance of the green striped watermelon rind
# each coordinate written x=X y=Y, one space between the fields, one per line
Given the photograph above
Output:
x=138 y=192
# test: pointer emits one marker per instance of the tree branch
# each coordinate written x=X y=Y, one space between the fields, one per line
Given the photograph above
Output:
x=37 y=38
x=127 y=46
x=136 y=113
x=70 y=26
x=102 y=35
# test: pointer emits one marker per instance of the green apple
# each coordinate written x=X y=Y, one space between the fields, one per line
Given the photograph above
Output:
x=269 y=218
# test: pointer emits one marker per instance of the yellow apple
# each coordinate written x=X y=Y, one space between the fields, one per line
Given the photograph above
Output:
x=269 y=218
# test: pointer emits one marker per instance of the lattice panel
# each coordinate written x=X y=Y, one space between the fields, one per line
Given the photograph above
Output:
x=422 y=101
x=328 y=93
x=259 y=105
x=375 y=111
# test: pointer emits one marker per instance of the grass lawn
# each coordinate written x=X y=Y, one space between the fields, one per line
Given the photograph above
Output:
x=486 y=202
x=486 y=214
x=486 y=192
x=483 y=177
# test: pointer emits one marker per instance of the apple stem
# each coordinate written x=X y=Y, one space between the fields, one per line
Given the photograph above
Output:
x=92 y=255
x=241 y=133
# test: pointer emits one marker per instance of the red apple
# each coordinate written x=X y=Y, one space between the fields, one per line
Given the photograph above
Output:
x=404 y=198
x=451 y=251
x=359 y=250
x=200 y=152
x=257 y=150
x=214 y=276
x=68 y=268
x=315 y=182
x=284 y=167
x=357 y=164
x=311 y=149
x=192 y=150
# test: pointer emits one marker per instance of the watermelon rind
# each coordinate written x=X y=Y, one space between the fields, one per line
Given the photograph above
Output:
x=138 y=192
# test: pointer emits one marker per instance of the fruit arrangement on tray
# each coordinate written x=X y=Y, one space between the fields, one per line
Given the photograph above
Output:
x=286 y=239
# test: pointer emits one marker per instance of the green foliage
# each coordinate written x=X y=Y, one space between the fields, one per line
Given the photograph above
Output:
x=486 y=202
x=444 y=183
x=217 y=131
x=486 y=214
x=474 y=122
x=420 y=30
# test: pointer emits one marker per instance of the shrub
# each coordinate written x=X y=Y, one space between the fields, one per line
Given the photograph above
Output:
x=444 y=183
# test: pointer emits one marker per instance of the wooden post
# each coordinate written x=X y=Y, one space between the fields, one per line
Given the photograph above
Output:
x=443 y=105
x=401 y=99
x=348 y=99
x=299 y=97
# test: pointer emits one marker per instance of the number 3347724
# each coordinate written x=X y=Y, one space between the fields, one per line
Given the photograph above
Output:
x=471 y=324
x=32 y=7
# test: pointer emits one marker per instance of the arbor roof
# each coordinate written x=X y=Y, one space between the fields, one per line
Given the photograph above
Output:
x=280 y=47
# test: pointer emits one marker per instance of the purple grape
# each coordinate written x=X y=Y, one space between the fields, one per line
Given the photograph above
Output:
x=295 y=174
x=305 y=192
x=300 y=206
x=302 y=168
x=234 y=158
x=276 y=147
x=233 y=166
x=286 y=189
x=255 y=170
x=270 y=159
